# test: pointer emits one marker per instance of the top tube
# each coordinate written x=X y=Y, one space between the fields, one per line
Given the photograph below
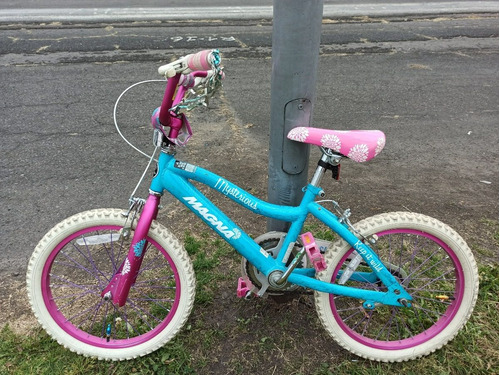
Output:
x=227 y=188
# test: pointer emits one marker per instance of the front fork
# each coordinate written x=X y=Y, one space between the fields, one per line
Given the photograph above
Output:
x=118 y=288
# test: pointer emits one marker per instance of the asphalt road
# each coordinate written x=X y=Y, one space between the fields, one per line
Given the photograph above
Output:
x=93 y=12
x=431 y=84
x=54 y=4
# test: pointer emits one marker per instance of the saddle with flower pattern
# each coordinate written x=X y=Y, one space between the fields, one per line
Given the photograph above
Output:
x=358 y=145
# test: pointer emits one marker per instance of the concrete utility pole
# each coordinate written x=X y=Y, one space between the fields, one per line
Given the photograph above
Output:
x=296 y=40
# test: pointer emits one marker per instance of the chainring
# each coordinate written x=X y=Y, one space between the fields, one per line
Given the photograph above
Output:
x=270 y=243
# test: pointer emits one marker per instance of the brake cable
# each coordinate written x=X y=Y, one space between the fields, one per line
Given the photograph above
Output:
x=116 y=108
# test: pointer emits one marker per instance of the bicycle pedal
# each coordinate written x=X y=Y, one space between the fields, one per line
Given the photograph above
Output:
x=244 y=289
x=313 y=252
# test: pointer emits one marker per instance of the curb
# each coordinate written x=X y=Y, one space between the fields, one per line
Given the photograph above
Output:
x=242 y=13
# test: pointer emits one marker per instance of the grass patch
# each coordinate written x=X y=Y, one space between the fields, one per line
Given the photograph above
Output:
x=319 y=230
x=208 y=255
x=37 y=353
x=485 y=244
x=226 y=335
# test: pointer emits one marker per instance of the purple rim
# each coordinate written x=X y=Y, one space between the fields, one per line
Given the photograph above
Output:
x=83 y=336
x=424 y=336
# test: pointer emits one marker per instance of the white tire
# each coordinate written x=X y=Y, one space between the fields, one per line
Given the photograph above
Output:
x=66 y=275
x=436 y=267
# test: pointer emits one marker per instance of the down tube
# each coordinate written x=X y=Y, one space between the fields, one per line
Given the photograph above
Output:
x=192 y=198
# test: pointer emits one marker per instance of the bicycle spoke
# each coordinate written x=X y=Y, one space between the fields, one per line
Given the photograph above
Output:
x=62 y=307
x=387 y=325
x=95 y=309
x=144 y=313
x=90 y=259
x=436 y=301
x=422 y=264
x=80 y=266
x=70 y=283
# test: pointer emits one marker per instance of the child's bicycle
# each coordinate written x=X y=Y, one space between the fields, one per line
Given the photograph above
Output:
x=117 y=285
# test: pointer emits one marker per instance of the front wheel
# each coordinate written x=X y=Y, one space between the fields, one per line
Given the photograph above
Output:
x=431 y=261
x=76 y=260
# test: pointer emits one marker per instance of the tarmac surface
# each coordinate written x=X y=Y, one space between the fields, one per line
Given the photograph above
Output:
x=68 y=11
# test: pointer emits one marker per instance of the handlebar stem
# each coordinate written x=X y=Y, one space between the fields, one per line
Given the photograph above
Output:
x=168 y=99
x=176 y=88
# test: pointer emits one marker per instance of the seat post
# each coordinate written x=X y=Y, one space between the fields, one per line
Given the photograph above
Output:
x=330 y=160
x=320 y=171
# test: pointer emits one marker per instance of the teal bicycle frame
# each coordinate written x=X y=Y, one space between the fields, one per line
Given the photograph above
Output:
x=174 y=176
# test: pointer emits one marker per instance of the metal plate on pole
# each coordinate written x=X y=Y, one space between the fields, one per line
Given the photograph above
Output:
x=295 y=155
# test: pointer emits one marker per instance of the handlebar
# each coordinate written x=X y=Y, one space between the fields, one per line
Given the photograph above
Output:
x=201 y=61
x=200 y=71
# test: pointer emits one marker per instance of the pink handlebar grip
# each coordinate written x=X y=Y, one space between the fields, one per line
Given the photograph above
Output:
x=200 y=61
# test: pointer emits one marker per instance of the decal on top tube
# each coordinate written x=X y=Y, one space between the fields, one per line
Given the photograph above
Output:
x=185 y=166
x=226 y=189
x=212 y=219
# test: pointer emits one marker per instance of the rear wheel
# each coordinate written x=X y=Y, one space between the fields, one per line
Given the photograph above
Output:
x=76 y=260
x=435 y=266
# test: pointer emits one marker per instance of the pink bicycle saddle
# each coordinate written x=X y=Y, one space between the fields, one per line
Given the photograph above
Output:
x=358 y=145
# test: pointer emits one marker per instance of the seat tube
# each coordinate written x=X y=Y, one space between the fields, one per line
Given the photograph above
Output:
x=119 y=287
x=320 y=171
